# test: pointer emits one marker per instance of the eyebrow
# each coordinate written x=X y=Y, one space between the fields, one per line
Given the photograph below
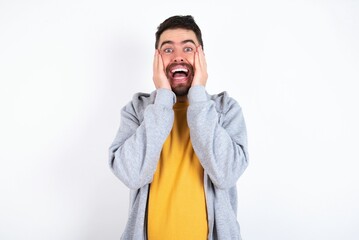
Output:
x=183 y=42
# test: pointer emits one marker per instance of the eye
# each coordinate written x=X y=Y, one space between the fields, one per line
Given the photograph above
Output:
x=168 y=50
x=188 y=49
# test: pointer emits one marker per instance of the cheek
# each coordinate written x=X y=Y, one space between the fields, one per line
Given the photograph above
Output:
x=190 y=59
x=165 y=60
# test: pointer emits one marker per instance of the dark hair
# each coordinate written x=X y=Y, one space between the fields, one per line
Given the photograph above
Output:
x=185 y=22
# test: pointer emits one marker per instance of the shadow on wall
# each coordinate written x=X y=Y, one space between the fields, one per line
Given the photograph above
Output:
x=130 y=61
x=108 y=197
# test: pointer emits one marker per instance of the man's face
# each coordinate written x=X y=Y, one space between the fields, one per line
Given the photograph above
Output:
x=177 y=48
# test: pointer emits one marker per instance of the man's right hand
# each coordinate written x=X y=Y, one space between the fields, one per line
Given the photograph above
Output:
x=159 y=76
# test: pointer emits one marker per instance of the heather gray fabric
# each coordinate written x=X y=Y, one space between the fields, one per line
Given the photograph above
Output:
x=219 y=138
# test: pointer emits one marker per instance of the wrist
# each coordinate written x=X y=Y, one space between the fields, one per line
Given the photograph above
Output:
x=165 y=97
x=197 y=94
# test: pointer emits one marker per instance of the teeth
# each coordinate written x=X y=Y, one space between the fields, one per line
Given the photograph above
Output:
x=179 y=70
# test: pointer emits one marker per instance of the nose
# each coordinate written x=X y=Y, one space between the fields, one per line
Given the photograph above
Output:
x=178 y=58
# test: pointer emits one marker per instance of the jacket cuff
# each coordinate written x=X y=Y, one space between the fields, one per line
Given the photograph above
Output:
x=165 y=97
x=197 y=94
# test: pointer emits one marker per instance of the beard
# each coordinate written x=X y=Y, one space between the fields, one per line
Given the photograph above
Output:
x=180 y=89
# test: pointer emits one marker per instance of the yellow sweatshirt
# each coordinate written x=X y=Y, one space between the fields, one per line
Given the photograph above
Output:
x=177 y=205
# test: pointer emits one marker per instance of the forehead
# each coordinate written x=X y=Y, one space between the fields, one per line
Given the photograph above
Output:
x=177 y=36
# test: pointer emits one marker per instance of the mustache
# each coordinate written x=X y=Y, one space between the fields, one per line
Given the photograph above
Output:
x=186 y=65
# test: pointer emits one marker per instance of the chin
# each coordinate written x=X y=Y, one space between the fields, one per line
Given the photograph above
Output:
x=181 y=91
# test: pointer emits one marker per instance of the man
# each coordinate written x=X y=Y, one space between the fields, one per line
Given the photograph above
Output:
x=179 y=149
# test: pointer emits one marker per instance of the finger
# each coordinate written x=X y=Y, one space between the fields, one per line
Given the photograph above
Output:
x=155 y=61
x=202 y=58
x=197 y=62
x=160 y=61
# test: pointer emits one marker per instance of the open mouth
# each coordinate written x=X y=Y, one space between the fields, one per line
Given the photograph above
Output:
x=180 y=72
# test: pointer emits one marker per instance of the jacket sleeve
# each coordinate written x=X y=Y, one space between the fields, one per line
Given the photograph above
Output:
x=220 y=144
x=136 y=149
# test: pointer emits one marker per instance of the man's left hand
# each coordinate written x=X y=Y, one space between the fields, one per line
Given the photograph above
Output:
x=200 y=66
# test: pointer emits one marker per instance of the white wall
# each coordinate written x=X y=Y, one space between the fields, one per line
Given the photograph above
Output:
x=67 y=68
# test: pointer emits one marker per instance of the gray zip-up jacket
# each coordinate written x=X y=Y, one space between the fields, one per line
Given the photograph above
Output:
x=219 y=139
